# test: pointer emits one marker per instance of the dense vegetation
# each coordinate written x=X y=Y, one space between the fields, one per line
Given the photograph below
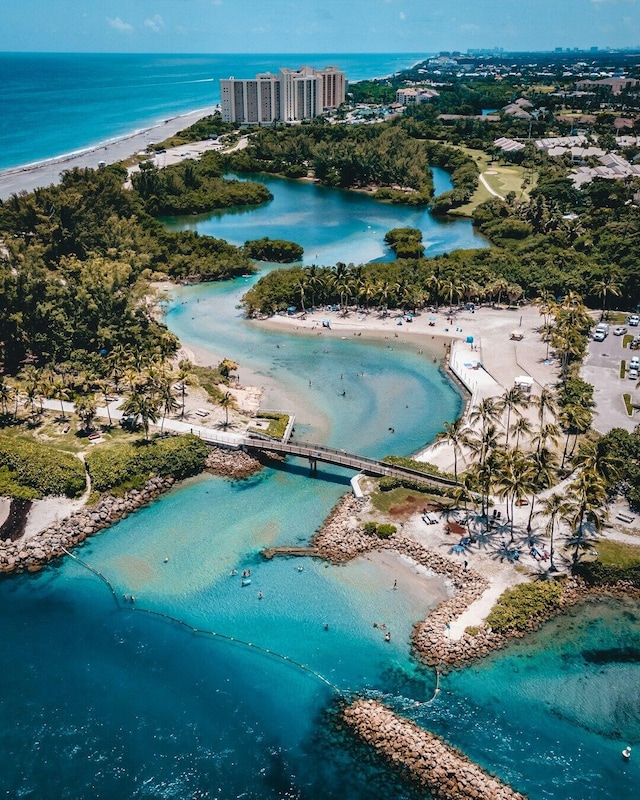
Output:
x=385 y=157
x=551 y=245
x=623 y=449
x=276 y=250
x=193 y=187
x=131 y=465
x=75 y=265
x=517 y=608
x=29 y=470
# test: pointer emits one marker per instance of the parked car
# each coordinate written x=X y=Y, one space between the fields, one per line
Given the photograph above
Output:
x=599 y=336
x=634 y=363
x=619 y=331
x=633 y=374
x=635 y=344
x=634 y=320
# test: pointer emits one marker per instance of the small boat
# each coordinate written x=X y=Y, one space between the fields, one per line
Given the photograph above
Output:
x=245 y=581
x=626 y=753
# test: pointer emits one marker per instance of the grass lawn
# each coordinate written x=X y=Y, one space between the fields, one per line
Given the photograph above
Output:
x=49 y=429
x=404 y=502
x=618 y=554
x=501 y=178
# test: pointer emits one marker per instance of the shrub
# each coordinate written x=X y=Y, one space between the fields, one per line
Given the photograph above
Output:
x=130 y=465
x=516 y=607
x=388 y=483
x=31 y=470
x=370 y=528
x=385 y=530
x=595 y=573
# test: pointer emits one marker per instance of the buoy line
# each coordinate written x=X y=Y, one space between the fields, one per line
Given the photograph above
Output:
x=193 y=629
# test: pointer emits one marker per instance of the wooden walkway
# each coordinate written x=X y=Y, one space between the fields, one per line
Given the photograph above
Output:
x=341 y=458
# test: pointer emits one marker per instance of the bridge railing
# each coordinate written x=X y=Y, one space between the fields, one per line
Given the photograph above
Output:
x=342 y=458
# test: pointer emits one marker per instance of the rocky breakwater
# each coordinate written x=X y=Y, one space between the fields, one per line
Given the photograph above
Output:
x=421 y=757
x=231 y=463
x=342 y=535
x=32 y=554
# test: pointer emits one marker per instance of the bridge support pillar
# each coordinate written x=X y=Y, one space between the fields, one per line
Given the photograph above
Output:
x=313 y=464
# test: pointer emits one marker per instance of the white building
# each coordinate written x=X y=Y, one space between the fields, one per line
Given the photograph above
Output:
x=289 y=96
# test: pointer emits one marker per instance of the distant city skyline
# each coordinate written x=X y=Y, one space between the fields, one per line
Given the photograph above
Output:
x=306 y=26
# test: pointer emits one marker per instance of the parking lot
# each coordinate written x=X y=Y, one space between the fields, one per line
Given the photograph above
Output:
x=601 y=368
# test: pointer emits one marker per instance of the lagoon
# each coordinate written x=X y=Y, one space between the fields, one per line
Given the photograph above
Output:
x=334 y=224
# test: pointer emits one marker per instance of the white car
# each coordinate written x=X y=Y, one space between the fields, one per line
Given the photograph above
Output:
x=619 y=331
x=634 y=363
x=599 y=336
x=634 y=320
x=633 y=374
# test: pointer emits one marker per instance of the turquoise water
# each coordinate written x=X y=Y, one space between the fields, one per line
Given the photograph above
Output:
x=334 y=225
x=55 y=103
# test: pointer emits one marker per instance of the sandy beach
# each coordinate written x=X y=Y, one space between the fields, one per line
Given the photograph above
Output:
x=44 y=173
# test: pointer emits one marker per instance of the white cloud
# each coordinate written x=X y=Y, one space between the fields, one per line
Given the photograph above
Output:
x=403 y=15
x=616 y=2
x=118 y=25
x=156 y=23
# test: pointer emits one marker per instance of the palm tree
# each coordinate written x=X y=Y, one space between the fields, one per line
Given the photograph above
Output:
x=142 y=403
x=544 y=466
x=86 y=407
x=514 y=479
x=30 y=379
x=608 y=284
x=61 y=392
x=547 y=432
x=545 y=402
x=226 y=401
x=6 y=395
x=590 y=492
x=486 y=412
x=510 y=401
x=166 y=399
x=591 y=457
x=554 y=507
x=574 y=419
x=185 y=371
x=521 y=427
x=454 y=434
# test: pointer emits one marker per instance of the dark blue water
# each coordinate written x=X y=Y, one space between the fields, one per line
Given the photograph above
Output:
x=55 y=103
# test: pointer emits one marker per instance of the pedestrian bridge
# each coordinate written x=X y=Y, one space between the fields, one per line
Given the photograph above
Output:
x=330 y=455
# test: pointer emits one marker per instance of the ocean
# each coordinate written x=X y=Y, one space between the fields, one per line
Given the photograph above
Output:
x=59 y=103
x=105 y=699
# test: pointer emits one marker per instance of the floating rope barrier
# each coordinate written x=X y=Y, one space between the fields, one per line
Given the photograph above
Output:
x=194 y=629
x=97 y=572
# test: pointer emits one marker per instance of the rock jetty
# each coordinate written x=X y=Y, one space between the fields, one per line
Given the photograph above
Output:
x=33 y=554
x=421 y=757
x=231 y=463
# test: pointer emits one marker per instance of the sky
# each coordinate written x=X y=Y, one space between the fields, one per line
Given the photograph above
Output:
x=314 y=26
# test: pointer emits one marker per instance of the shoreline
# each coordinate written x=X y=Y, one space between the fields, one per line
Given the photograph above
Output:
x=26 y=177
